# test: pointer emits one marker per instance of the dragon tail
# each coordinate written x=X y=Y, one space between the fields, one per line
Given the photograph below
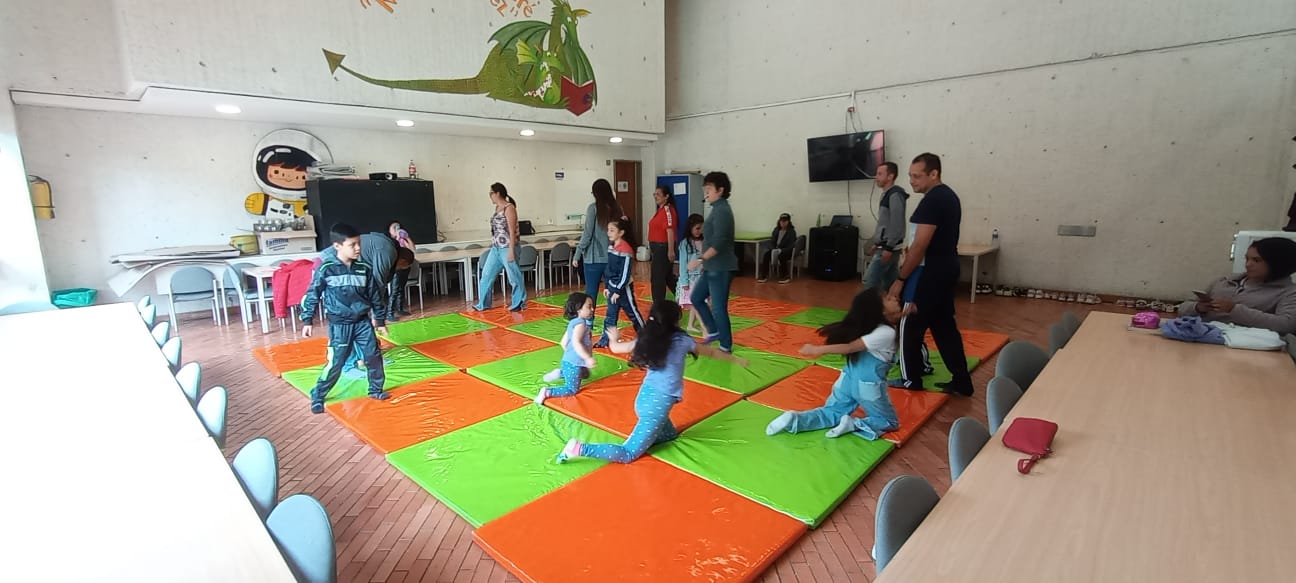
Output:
x=469 y=86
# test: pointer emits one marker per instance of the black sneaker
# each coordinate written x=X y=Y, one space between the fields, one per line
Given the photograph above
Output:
x=901 y=384
x=381 y=396
x=953 y=389
x=317 y=408
x=404 y=312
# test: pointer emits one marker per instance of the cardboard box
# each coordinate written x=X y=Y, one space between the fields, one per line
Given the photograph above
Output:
x=286 y=242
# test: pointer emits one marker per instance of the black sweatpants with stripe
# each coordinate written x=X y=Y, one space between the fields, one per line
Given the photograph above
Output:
x=935 y=301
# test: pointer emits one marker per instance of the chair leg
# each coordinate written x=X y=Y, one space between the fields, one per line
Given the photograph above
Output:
x=175 y=322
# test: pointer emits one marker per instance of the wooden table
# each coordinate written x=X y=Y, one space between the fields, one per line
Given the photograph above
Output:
x=109 y=474
x=1170 y=465
x=975 y=252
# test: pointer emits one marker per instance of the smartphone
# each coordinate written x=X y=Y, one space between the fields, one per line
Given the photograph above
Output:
x=1201 y=295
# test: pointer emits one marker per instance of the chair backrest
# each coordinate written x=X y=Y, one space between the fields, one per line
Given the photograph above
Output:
x=143 y=302
x=257 y=468
x=449 y=248
x=190 y=378
x=1021 y=361
x=149 y=314
x=966 y=438
x=234 y=278
x=1059 y=335
x=27 y=308
x=561 y=253
x=161 y=332
x=171 y=350
x=481 y=261
x=1001 y=395
x=800 y=245
x=300 y=527
x=471 y=246
x=211 y=410
x=190 y=279
x=1071 y=321
x=904 y=503
x=527 y=257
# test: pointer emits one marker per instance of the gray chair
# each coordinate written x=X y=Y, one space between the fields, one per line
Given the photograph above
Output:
x=559 y=259
x=27 y=308
x=161 y=333
x=143 y=302
x=193 y=284
x=243 y=290
x=1001 y=395
x=257 y=468
x=966 y=438
x=1059 y=335
x=300 y=528
x=904 y=503
x=149 y=315
x=526 y=259
x=1021 y=361
x=416 y=281
x=1071 y=321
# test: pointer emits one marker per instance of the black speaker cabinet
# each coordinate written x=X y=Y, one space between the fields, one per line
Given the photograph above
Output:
x=372 y=205
x=834 y=252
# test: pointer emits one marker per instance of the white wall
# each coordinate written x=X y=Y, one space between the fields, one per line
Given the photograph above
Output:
x=22 y=269
x=128 y=182
x=1130 y=117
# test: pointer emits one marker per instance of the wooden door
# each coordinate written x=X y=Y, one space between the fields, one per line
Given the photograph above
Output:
x=625 y=185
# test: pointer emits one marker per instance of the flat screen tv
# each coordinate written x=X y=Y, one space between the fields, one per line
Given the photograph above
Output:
x=844 y=157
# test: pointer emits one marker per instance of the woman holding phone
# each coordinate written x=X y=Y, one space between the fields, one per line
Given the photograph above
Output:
x=1263 y=296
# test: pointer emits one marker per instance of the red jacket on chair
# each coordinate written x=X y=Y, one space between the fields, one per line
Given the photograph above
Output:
x=290 y=283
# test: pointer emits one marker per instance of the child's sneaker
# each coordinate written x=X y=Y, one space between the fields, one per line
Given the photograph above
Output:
x=317 y=408
x=541 y=396
x=380 y=396
x=779 y=423
x=844 y=426
x=571 y=450
x=785 y=280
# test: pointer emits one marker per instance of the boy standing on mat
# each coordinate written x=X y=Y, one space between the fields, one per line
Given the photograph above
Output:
x=350 y=291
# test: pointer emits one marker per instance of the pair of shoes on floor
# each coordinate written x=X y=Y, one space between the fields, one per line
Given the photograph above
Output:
x=984 y=288
x=762 y=280
x=786 y=280
x=953 y=389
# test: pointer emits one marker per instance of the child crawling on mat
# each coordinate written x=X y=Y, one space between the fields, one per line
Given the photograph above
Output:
x=661 y=347
x=868 y=340
x=578 y=351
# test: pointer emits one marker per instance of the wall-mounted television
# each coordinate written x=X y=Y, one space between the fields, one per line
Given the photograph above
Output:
x=844 y=157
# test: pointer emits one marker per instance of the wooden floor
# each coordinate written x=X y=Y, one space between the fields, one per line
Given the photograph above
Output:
x=388 y=529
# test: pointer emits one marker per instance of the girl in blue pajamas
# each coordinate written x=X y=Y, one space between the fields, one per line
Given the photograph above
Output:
x=620 y=289
x=661 y=348
x=867 y=339
x=578 y=356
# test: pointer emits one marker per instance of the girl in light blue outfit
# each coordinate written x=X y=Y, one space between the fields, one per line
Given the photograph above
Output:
x=661 y=347
x=689 y=249
x=867 y=339
x=578 y=351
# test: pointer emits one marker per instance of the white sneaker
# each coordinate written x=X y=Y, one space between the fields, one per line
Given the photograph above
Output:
x=779 y=423
x=553 y=375
x=846 y=425
x=541 y=396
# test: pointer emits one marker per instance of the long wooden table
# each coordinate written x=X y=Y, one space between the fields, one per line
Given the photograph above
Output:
x=108 y=473
x=1170 y=464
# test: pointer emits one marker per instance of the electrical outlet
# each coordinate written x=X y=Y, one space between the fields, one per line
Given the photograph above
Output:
x=574 y=217
x=1077 y=230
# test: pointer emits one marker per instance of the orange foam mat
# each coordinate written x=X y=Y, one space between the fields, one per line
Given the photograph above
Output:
x=762 y=309
x=977 y=344
x=420 y=411
x=281 y=358
x=778 y=337
x=645 y=521
x=609 y=403
x=469 y=350
x=625 y=334
x=810 y=387
x=501 y=316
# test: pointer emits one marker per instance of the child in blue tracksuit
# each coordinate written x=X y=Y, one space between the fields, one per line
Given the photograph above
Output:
x=661 y=347
x=351 y=294
x=620 y=289
x=578 y=354
x=867 y=339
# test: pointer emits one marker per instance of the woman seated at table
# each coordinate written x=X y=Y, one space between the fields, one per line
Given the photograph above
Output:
x=1262 y=297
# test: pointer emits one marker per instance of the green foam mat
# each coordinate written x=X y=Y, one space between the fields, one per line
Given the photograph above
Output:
x=552 y=329
x=401 y=365
x=555 y=300
x=434 y=328
x=763 y=369
x=804 y=475
x=940 y=373
x=522 y=374
x=487 y=469
x=737 y=323
x=815 y=317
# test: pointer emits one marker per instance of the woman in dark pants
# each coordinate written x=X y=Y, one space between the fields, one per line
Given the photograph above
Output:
x=591 y=251
x=781 y=242
x=661 y=241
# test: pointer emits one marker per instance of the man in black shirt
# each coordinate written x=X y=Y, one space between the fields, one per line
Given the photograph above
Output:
x=936 y=242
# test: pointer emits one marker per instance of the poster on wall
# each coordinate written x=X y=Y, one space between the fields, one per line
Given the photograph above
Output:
x=279 y=163
x=533 y=63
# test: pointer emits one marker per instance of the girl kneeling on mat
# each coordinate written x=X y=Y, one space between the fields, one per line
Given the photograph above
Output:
x=578 y=354
x=660 y=348
x=867 y=339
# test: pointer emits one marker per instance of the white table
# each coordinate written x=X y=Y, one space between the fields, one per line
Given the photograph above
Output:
x=110 y=474
x=463 y=257
x=976 y=252
x=263 y=274
x=1169 y=465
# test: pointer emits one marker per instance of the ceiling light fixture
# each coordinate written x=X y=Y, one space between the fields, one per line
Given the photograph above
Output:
x=615 y=139
x=527 y=133
x=228 y=109
x=405 y=123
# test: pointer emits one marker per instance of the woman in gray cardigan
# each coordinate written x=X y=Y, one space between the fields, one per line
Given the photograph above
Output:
x=592 y=249
x=1262 y=297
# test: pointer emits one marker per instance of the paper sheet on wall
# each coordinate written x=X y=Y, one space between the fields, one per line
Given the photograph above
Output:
x=681 y=188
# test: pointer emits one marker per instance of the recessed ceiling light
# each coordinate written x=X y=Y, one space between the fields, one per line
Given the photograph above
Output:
x=615 y=139
x=405 y=123
x=228 y=109
x=527 y=133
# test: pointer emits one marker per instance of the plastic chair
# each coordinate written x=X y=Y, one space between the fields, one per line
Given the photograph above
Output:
x=904 y=503
x=526 y=259
x=1072 y=322
x=300 y=527
x=798 y=252
x=966 y=438
x=193 y=284
x=257 y=468
x=211 y=410
x=1059 y=335
x=143 y=302
x=1022 y=362
x=161 y=332
x=149 y=315
x=189 y=378
x=234 y=281
x=1001 y=395
x=27 y=308
x=415 y=281
x=559 y=256
x=171 y=350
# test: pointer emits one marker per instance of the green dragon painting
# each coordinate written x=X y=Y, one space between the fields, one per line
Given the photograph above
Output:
x=533 y=63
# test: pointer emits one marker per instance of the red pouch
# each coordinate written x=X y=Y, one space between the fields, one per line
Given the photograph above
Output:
x=1030 y=436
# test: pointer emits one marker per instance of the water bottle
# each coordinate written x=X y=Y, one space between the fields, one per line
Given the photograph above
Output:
x=994 y=238
x=413 y=170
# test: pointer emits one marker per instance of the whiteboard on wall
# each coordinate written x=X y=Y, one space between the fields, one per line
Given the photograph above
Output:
x=572 y=193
